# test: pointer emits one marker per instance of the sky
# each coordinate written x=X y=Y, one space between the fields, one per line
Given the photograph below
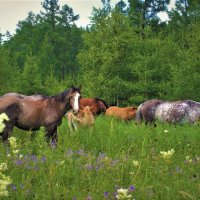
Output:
x=11 y=11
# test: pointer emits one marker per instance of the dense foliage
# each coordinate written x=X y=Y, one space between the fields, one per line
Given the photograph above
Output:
x=127 y=54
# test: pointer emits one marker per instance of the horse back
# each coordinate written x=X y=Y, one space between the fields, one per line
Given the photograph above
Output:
x=7 y=101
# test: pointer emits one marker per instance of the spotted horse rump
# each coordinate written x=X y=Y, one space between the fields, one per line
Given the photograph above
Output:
x=186 y=111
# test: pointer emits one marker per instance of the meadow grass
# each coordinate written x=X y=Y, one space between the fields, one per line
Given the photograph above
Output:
x=94 y=163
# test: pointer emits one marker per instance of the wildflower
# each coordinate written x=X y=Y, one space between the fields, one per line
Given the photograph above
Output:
x=43 y=159
x=3 y=167
x=167 y=154
x=166 y=131
x=106 y=194
x=3 y=117
x=16 y=151
x=131 y=188
x=123 y=194
x=4 y=182
x=135 y=163
x=61 y=163
x=12 y=141
x=188 y=159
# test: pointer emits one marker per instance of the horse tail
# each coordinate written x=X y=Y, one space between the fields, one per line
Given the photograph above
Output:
x=139 y=117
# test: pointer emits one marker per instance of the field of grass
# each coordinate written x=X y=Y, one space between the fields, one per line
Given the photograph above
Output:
x=94 y=164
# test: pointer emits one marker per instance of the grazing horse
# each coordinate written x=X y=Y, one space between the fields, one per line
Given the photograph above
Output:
x=126 y=113
x=83 y=118
x=97 y=105
x=32 y=112
x=166 y=111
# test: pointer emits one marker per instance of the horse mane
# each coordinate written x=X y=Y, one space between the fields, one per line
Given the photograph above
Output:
x=61 y=96
x=104 y=102
x=192 y=103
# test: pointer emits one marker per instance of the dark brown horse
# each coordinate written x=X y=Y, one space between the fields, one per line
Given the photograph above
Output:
x=32 y=112
x=186 y=111
x=97 y=105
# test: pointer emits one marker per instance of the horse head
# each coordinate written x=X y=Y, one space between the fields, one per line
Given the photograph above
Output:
x=74 y=97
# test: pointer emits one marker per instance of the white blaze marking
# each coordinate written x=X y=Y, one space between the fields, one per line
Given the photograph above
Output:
x=76 y=105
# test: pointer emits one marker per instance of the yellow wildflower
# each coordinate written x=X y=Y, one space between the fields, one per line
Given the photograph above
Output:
x=16 y=151
x=188 y=159
x=123 y=194
x=167 y=154
x=12 y=141
x=3 y=117
x=3 y=166
x=135 y=163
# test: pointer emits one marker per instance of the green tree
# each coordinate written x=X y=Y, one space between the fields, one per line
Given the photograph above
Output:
x=30 y=82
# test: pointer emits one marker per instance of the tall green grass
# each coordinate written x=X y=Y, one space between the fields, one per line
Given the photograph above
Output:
x=94 y=162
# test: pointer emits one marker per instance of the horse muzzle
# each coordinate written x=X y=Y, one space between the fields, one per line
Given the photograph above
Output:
x=75 y=111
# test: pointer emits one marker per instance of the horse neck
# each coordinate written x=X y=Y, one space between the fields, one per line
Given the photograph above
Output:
x=62 y=97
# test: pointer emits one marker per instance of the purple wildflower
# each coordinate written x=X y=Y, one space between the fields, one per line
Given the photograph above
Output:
x=53 y=144
x=13 y=187
x=106 y=194
x=131 y=188
x=80 y=152
x=69 y=153
x=18 y=162
x=33 y=158
x=43 y=159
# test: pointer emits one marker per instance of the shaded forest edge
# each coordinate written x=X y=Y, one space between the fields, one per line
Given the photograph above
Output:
x=127 y=55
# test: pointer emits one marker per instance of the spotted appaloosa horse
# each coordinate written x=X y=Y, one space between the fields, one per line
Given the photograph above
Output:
x=32 y=112
x=172 y=112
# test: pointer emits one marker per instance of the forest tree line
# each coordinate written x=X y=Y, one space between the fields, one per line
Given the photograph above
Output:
x=126 y=55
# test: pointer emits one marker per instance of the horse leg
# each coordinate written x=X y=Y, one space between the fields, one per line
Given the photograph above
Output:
x=51 y=132
x=70 y=121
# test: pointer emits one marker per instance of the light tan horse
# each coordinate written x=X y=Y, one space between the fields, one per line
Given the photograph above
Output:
x=126 y=113
x=84 y=118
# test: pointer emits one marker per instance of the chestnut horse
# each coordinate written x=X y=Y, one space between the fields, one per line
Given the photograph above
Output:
x=166 y=111
x=97 y=105
x=32 y=112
